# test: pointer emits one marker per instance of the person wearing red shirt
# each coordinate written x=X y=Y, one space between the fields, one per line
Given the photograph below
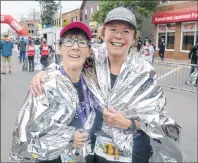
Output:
x=44 y=53
x=30 y=54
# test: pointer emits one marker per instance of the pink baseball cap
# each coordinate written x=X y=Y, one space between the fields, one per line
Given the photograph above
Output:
x=79 y=25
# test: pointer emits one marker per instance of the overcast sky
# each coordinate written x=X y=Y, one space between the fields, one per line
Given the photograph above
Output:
x=18 y=8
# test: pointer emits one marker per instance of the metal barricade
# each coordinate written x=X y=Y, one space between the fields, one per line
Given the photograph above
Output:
x=176 y=75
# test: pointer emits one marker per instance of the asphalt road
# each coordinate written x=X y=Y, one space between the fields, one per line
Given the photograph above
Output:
x=181 y=106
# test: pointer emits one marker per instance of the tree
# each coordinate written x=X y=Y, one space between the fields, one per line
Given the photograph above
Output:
x=138 y=7
x=48 y=9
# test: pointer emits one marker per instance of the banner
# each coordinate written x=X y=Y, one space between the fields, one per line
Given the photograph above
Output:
x=187 y=14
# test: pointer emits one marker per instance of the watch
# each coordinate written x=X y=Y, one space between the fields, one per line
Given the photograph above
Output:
x=132 y=126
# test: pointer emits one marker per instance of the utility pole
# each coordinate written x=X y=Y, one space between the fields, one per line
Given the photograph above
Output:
x=60 y=2
x=34 y=21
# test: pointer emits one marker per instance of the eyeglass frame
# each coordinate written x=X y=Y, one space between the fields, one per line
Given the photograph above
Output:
x=121 y=32
x=75 y=41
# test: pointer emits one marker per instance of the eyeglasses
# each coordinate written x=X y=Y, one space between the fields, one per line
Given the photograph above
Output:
x=81 y=43
x=124 y=33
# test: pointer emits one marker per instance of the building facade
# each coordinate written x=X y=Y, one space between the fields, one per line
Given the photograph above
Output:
x=71 y=16
x=177 y=22
x=30 y=26
x=86 y=10
x=56 y=20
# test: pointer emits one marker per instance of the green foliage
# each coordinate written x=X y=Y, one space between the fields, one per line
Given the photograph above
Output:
x=49 y=8
x=143 y=7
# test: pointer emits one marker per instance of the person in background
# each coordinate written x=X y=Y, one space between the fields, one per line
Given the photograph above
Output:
x=139 y=44
x=193 y=56
x=99 y=36
x=162 y=48
x=146 y=39
x=149 y=52
x=22 y=48
x=7 y=46
x=30 y=54
x=44 y=48
x=37 y=45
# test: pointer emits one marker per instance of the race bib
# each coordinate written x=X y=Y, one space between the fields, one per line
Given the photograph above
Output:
x=104 y=148
x=45 y=48
x=68 y=159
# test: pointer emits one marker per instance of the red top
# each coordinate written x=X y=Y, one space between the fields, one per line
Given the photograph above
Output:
x=30 y=50
x=44 y=50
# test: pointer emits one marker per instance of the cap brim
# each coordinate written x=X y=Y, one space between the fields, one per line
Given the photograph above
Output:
x=79 y=25
x=120 y=19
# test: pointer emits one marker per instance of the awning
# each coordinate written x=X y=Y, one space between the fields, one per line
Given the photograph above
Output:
x=182 y=15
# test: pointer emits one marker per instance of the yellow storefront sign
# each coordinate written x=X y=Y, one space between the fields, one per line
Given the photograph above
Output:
x=93 y=24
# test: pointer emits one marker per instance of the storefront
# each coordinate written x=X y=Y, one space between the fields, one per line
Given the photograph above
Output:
x=179 y=27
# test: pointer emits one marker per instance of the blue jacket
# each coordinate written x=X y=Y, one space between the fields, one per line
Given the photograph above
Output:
x=6 y=46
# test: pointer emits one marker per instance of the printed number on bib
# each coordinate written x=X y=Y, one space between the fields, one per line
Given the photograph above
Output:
x=111 y=150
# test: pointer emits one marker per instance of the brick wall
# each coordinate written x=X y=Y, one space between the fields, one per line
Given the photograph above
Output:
x=68 y=16
x=176 y=54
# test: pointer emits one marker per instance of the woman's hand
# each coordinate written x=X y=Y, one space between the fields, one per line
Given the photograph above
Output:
x=35 y=86
x=116 y=119
x=80 y=139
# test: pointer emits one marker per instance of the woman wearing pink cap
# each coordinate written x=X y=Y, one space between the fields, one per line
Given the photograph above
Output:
x=62 y=111
x=119 y=35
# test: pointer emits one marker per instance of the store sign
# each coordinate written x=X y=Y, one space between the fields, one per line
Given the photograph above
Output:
x=162 y=28
x=170 y=28
x=189 y=26
x=175 y=16
x=93 y=25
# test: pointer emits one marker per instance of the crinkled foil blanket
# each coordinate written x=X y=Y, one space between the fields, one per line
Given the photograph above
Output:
x=138 y=95
x=41 y=131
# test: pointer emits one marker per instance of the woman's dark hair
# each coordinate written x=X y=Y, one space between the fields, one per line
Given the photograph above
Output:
x=76 y=32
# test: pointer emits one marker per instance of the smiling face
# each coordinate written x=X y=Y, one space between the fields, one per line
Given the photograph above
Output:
x=119 y=36
x=73 y=55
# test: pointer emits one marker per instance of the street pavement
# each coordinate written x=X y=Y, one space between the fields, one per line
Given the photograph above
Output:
x=181 y=106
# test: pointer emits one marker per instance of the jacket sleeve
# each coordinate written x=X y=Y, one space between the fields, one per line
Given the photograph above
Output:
x=42 y=131
x=190 y=53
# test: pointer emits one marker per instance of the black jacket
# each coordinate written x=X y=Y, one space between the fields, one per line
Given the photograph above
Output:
x=193 y=53
x=162 y=45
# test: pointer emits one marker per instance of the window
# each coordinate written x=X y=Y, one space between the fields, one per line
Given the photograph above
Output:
x=74 y=19
x=59 y=22
x=188 y=40
x=189 y=35
x=29 y=31
x=92 y=10
x=170 y=40
x=166 y=31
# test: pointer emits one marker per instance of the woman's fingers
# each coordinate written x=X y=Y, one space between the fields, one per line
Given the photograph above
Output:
x=36 y=88
x=33 y=89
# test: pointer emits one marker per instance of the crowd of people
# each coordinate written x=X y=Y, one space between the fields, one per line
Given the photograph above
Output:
x=28 y=49
x=52 y=122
